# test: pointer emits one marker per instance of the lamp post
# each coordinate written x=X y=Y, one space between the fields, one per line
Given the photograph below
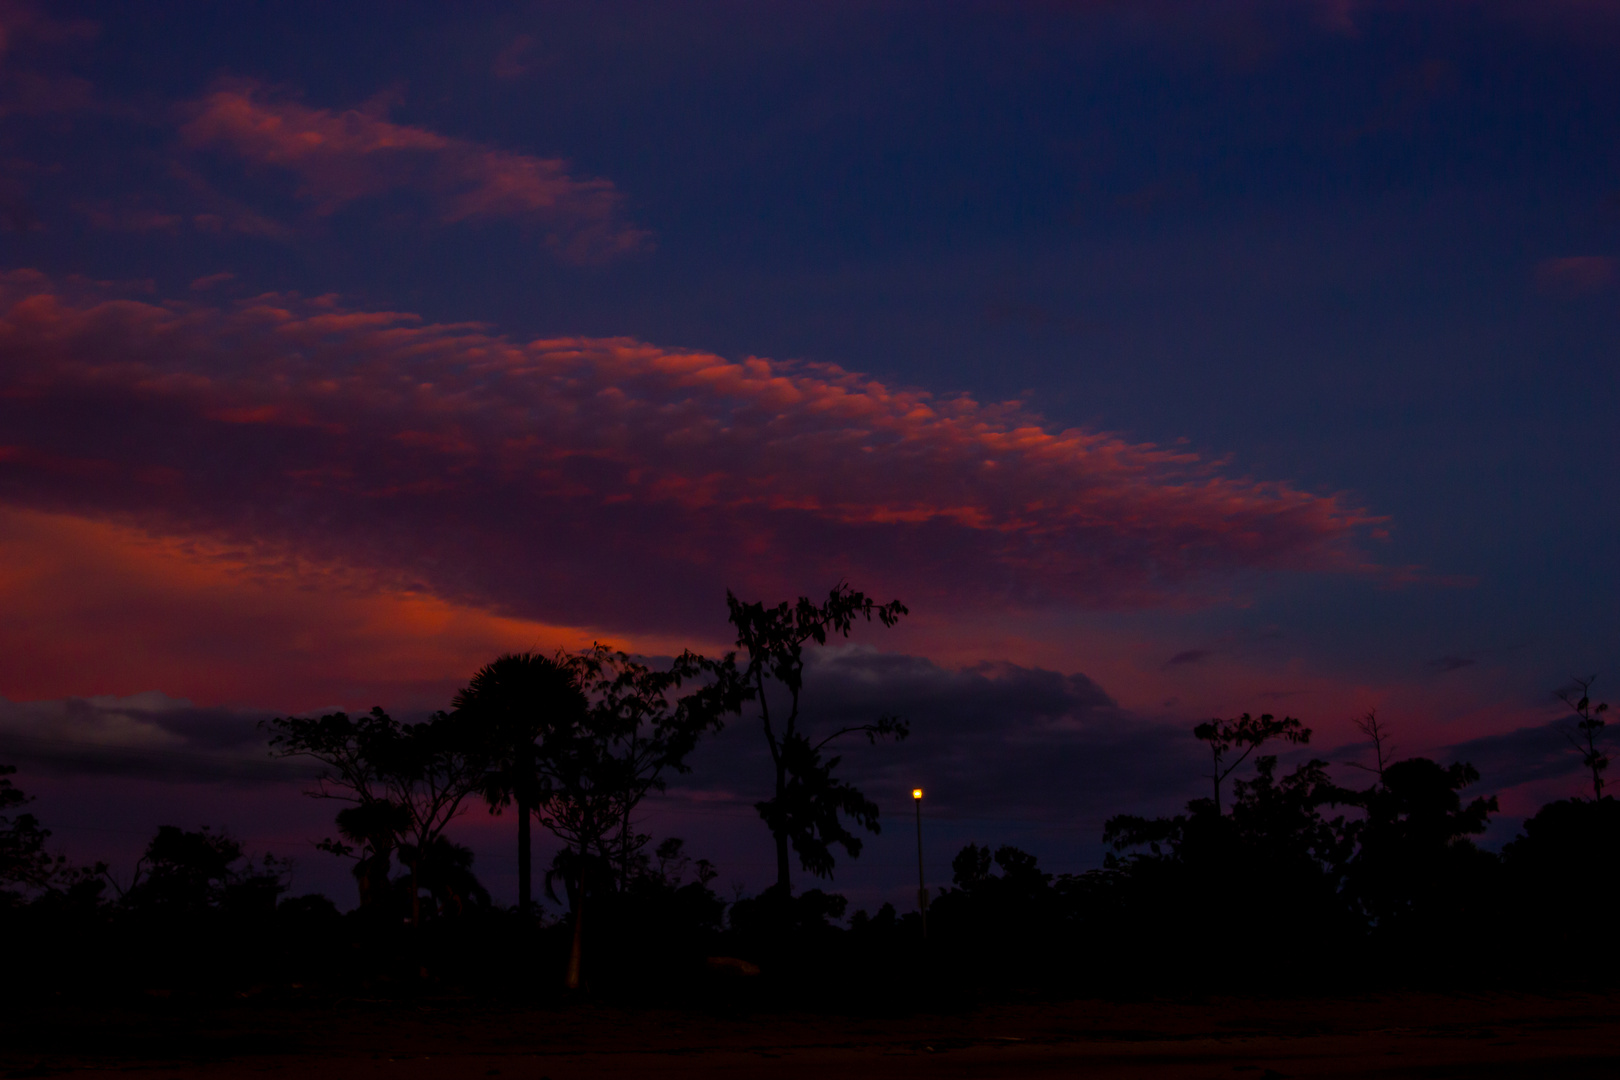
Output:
x=922 y=888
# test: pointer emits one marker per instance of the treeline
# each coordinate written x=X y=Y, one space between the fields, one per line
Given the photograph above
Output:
x=1276 y=880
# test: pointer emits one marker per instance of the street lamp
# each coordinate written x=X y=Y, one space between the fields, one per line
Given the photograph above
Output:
x=922 y=889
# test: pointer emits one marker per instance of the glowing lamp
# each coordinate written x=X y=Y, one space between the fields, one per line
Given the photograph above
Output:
x=916 y=793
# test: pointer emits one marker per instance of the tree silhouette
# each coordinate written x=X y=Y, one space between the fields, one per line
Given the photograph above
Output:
x=24 y=862
x=1415 y=870
x=370 y=834
x=652 y=729
x=1246 y=734
x=804 y=811
x=597 y=768
x=511 y=703
x=444 y=872
x=1377 y=732
x=423 y=772
x=1591 y=724
x=1565 y=872
x=185 y=874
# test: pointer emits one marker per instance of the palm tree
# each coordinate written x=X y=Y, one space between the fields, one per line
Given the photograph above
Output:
x=512 y=702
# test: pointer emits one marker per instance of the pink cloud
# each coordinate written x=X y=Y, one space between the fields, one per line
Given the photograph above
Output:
x=130 y=218
x=340 y=157
x=516 y=59
x=24 y=22
x=603 y=482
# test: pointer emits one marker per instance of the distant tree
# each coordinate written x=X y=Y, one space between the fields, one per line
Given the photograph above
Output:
x=1245 y=734
x=1416 y=873
x=805 y=810
x=1277 y=859
x=1564 y=876
x=184 y=874
x=1018 y=888
x=511 y=704
x=1274 y=822
x=24 y=862
x=1589 y=726
x=413 y=775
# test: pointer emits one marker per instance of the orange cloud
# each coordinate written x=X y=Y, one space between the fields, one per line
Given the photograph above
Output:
x=340 y=157
x=603 y=482
x=102 y=608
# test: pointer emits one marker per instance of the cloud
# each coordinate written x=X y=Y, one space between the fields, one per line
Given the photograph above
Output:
x=602 y=481
x=1190 y=656
x=147 y=735
x=988 y=741
x=1444 y=664
x=341 y=157
x=95 y=608
x=516 y=59
x=27 y=36
x=24 y=24
x=1575 y=275
x=130 y=218
x=1525 y=754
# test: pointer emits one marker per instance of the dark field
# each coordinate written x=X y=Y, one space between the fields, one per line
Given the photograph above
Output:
x=1409 y=1035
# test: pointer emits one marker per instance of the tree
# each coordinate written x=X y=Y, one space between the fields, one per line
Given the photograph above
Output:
x=1416 y=873
x=596 y=769
x=1275 y=860
x=652 y=730
x=512 y=702
x=805 y=810
x=186 y=874
x=1377 y=732
x=412 y=779
x=1246 y=734
x=24 y=862
x=1564 y=874
x=1591 y=724
x=370 y=834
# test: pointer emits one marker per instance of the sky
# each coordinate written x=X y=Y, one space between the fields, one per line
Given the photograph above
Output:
x=1169 y=360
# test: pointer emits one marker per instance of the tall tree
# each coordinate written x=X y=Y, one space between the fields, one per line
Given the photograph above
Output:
x=804 y=813
x=1589 y=726
x=511 y=703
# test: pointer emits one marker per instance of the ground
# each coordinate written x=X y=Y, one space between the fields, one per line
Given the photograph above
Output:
x=1386 y=1036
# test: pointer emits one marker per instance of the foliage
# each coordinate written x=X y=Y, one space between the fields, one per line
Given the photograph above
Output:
x=509 y=705
x=409 y=780
x=186 y=874
x=1589 y=726
x=1245 y=734
x=25 y=865
x=805 y=807
x=1564 y=870
x=643 y=730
